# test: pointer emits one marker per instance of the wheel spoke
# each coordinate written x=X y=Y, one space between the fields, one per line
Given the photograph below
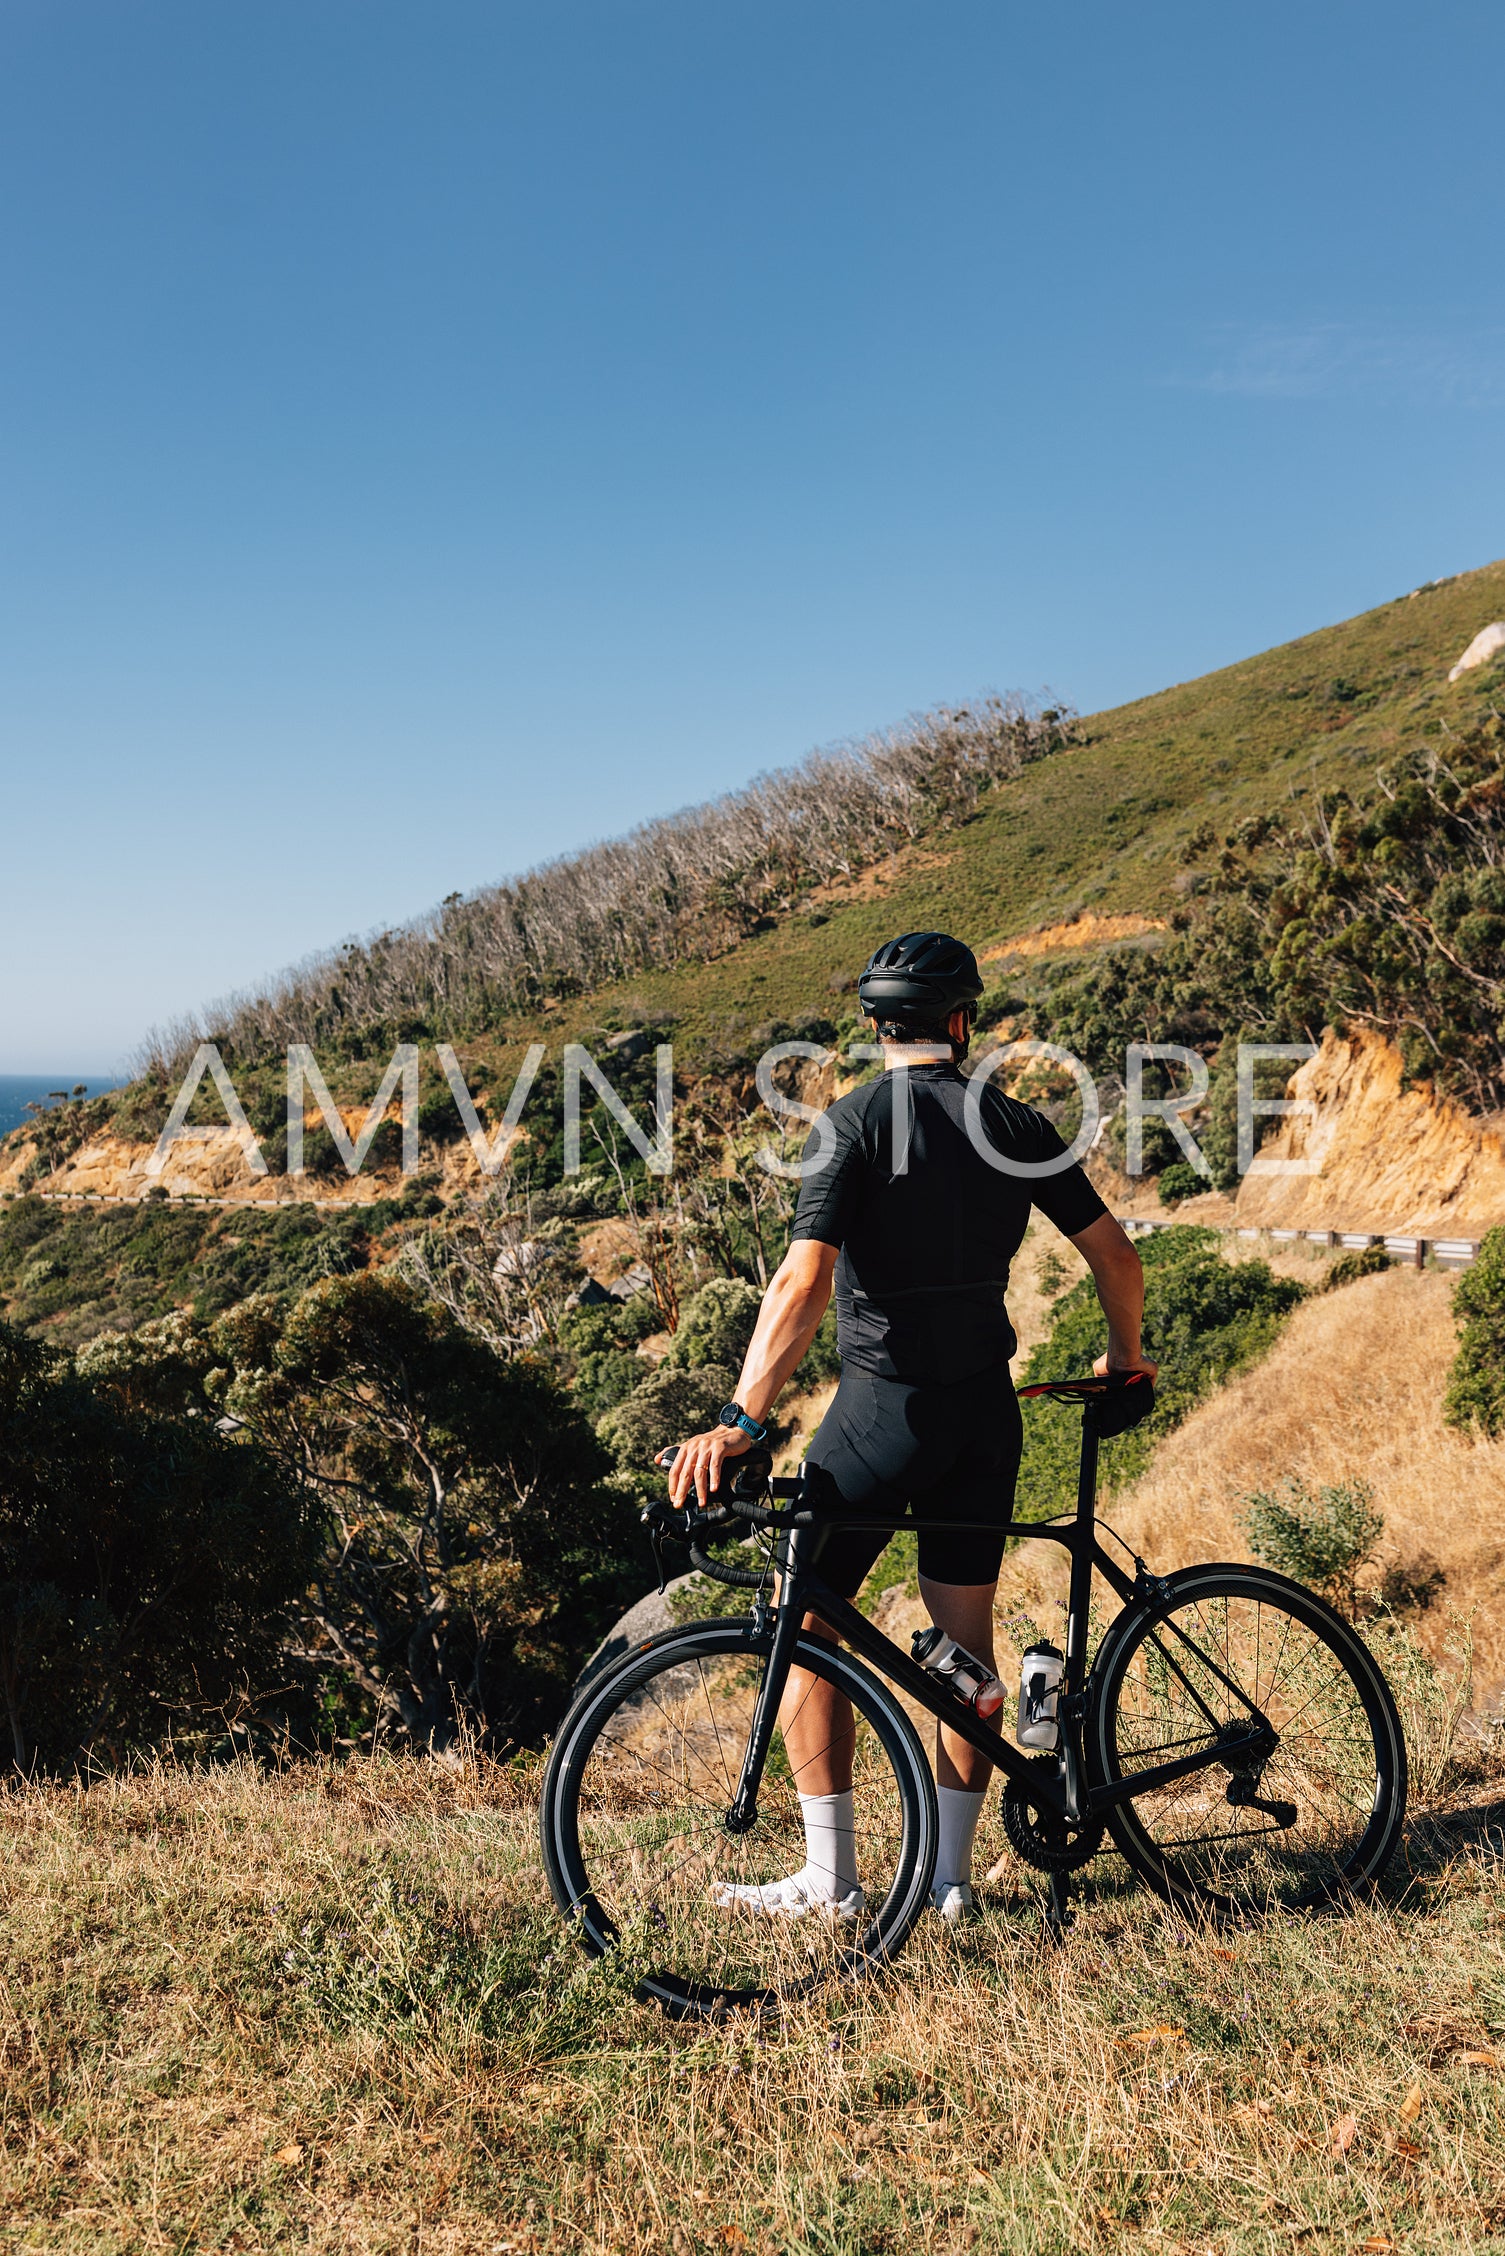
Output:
x=650 y=1853
x=1248 y=1647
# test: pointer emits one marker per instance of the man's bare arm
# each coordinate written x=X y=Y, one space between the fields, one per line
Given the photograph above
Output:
x=1118 y=1274
x=787 y=1322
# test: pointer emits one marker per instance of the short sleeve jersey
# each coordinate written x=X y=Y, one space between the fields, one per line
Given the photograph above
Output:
x=920 y=1198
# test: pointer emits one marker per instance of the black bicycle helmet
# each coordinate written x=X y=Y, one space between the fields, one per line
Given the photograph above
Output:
x=923 y=976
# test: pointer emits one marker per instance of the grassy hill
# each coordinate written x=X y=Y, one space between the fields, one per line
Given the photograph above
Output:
x=1097 y=827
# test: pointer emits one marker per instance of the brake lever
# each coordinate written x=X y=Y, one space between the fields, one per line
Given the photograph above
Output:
x=656 y=1546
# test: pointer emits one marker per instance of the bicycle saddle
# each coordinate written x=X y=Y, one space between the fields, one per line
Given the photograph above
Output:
x=1115 y=1403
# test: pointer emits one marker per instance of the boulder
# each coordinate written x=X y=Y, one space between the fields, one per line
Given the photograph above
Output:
x=650 y=1617
x=1483 y=647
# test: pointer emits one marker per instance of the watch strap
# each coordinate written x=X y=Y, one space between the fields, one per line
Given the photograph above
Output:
x=733 y=1414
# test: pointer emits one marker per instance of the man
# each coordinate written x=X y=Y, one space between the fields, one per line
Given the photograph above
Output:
x=915 y=1196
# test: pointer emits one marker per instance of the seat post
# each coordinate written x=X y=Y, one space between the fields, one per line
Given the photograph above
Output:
x=1086 y=1487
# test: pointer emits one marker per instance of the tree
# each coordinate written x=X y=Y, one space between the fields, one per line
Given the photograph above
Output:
x=475 y=1551
x=147 y=1561
x=1476 y=1384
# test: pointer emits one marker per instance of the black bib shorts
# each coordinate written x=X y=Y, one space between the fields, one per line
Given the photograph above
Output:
x=950 y=1452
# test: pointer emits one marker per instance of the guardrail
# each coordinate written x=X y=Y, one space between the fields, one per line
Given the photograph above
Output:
x=1451 y=1253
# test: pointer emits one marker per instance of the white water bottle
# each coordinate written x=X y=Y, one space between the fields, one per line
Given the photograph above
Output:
x=954 y=1665
x=1039 y=1694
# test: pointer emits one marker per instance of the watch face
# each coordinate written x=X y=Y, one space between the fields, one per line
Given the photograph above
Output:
x=730 y=1415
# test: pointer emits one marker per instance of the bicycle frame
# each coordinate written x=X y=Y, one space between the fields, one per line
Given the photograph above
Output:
x=802 y=1591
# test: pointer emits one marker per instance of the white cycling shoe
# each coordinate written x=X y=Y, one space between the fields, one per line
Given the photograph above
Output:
x=952 y=1901
x=793 y=1898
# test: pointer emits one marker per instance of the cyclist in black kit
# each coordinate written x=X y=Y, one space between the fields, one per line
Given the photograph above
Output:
x=916 y=1193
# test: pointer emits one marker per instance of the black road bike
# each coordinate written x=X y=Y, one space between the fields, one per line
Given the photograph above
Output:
x=1231 y=1733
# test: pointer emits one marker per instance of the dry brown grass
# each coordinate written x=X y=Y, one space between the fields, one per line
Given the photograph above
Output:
x=1353 y=1387
x=329 y=2011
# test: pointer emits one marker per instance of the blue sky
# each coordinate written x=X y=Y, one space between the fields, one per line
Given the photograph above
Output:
x=431 y=437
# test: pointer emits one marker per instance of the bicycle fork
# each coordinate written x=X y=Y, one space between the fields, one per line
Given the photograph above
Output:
x=742 y=1815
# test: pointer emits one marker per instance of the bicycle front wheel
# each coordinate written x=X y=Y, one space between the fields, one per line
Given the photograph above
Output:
x=1314 y=1818
x=640 y=1855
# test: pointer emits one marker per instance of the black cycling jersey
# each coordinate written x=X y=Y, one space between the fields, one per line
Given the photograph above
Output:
x=927 y=1224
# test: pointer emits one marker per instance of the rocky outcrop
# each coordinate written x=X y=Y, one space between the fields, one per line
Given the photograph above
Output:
x=1483 y=647
x=1384 y=1157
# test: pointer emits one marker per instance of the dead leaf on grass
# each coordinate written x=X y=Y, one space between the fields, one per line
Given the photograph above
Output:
x=1345 y=2130
x=1163 y=2032
x=289 y=2155
x=1376 y=2245
x=1480 y=2059
x=1410 y=2106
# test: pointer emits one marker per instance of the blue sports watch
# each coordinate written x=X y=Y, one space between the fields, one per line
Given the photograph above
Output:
x=733 y=1414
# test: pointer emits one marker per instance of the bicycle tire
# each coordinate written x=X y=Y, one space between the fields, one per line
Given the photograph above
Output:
x=1339 y=1763
x=634 y=1844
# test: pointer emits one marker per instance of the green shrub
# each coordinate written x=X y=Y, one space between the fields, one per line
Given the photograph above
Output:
x=1476 y=1384
x=1180 y=1181
x=1321 y=1537
x=1204 y=1319
x=481 y=1552
x=1364 y=1261
x=605 y=1376
x=666 y=1407
x=715 y=1326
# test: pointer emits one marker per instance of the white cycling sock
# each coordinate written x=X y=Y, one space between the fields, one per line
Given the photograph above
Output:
x=830 y=1845
x=959 y=1814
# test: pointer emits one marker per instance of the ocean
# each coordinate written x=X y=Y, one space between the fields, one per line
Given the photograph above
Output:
x=18 y=1090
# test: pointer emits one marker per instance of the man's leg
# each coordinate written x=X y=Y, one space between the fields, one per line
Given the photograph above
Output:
x=965 y=1612
x=820 y=1732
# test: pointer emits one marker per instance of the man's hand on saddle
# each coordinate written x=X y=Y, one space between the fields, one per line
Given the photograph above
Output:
x=698 y=1461
x=1111 y=1366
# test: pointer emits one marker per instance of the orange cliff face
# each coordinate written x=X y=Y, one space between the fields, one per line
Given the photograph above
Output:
x=208 y=1163
x=1387 y=1157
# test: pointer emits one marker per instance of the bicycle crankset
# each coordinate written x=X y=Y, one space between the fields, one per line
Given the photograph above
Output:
x=1041 y=1837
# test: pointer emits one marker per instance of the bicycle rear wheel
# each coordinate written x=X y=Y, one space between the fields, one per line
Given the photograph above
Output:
x=1320 y=1815
x=639 y=1854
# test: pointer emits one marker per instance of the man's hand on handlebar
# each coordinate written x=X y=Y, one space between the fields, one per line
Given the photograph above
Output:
x=698 y=1461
